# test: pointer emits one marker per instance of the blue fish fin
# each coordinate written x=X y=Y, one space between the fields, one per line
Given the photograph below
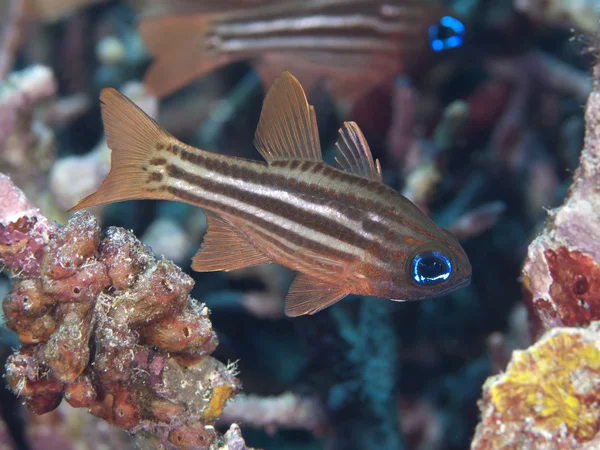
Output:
x=226 y=248
x=308 y=295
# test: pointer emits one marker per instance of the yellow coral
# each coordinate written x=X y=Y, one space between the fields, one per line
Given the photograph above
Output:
x=542 y=384
x=220 y=395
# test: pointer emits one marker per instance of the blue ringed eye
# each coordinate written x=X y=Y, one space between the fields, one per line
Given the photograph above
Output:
x=448 y=33
x=430 y=268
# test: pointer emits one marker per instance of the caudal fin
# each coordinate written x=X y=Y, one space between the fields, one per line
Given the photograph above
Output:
x=136 y=141
x=181 y=49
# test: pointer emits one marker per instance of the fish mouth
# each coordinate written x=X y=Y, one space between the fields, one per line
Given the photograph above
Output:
x=461 y=284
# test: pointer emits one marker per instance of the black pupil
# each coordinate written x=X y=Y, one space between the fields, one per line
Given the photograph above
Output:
x=431 y=267
x=445 y=32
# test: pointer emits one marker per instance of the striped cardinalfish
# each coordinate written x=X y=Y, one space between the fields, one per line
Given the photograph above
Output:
x=342 y=229
x=351 y=45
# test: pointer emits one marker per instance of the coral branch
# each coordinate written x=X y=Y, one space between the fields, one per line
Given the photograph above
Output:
x=12 y=36
x=284 y=411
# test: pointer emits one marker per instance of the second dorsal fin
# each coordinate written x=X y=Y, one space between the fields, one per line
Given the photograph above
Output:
x=354 y=155
x=287 y=128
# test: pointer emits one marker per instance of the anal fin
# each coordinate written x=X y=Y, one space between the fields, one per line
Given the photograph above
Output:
x=309 y=295
x=225 y=248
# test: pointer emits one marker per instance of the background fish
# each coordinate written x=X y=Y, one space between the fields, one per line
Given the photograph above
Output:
x=349 y=44
x=342 y=229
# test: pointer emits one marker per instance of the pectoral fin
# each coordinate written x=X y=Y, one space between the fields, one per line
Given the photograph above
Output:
x=225 y=248
x=308 y=295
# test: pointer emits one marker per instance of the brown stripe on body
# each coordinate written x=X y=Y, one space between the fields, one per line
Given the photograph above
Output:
x=334 y=26
x=351 y=195
x=295 y=259
x=266 y=225
x=313 y=221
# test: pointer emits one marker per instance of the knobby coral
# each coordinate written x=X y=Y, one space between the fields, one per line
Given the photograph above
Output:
x=562 y=271
x=106 y=326
x=548 y=397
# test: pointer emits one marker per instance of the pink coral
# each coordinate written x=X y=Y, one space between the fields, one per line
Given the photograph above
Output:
x=107 y=326
x=24 y=231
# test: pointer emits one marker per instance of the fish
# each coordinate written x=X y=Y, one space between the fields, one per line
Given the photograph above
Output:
x=347 y=45
x=340 y=228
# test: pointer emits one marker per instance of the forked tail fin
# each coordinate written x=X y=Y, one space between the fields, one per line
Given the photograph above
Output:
x=180 y=46
x=137 y=160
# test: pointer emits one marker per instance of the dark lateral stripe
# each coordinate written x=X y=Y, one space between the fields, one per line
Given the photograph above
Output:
x=291 y=252
x=266 y=225
x=384 y=11
x=247 y=173
x=313 y=221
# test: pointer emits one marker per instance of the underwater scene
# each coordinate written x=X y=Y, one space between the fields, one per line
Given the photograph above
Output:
x=300 y=224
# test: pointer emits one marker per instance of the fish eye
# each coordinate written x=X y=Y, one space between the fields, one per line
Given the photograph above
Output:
x=448 y=33
x=430 y=268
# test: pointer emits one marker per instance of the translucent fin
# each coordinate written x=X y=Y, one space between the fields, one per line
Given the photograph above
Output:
x=135 y=140
x=224 y=248
x=308 y=296
x=271 y=65
x=354 y=155
x=287 y=128
x=179 y=46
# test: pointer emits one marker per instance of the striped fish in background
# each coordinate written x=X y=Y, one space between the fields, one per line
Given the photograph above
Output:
x=342 y=229
x=351 y=45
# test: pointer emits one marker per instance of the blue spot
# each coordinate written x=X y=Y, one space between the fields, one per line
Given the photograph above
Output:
x=448 y=33
x=431 y=268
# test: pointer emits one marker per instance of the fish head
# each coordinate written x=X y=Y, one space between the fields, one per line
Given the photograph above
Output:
x=431 y=265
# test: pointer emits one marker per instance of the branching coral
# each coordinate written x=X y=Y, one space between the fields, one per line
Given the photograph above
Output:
x=285 y=411
x=107 y=326
x=548 y=397
x=26 y=144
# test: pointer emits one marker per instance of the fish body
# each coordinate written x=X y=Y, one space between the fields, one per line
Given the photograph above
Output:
x=351 y=45
x=342 y=229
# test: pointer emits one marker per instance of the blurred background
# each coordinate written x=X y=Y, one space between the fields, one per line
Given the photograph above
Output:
x=475 y=109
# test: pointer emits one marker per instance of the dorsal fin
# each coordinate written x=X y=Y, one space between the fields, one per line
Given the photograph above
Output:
x=354 y=155
x=308 y=295
x=287 y=128
x=224 y=248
